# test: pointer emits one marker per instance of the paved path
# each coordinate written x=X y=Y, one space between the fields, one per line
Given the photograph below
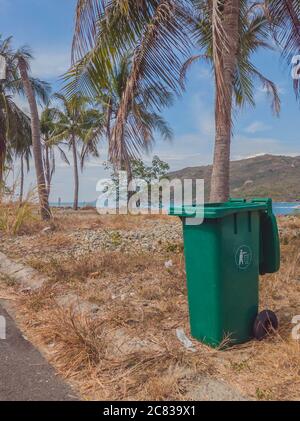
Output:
x=25 y=375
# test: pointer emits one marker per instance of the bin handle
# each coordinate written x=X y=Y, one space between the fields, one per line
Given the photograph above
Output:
x=267 y=201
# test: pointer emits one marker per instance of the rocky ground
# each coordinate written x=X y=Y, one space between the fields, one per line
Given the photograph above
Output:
x=146 y=235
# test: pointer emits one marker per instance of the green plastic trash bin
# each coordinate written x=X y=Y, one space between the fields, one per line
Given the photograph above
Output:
x=236 y=242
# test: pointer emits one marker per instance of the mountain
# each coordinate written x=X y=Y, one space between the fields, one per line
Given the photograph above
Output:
x=262 y=176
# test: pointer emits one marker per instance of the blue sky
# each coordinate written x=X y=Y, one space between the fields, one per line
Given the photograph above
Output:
x=47 y=26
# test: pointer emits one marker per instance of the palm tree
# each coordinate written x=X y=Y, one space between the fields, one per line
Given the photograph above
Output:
x=253 y=35
x=15 y=130
x=18 y=145
x=23 y=57
x=158 y=34
x=14 y=123
x=18 y=82
x=225 y=33
x=48 y=122
x=284 y=21
x=77 y=122
x=227 y=20
x=142 y=120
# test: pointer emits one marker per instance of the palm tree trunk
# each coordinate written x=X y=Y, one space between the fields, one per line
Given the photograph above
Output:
x=36 y=141
x=21 y=181
x=2 y=158
x=76 y=176
x=225 y=63
x=47 y=170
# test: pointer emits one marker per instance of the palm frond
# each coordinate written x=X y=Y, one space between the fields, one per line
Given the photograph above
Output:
x=63 y=156
x=284 y=16
x=270 y=89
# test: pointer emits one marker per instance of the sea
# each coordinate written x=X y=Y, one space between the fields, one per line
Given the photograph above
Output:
x=279 y=208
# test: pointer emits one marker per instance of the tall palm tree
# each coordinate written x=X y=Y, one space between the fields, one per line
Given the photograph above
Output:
x=23 y=57
x=284 y=21
x=18 y=82
x=77 y=123
x=253 y=35
x=48 y=119
x=225 y=32
x=14 y=123
x=157 y=31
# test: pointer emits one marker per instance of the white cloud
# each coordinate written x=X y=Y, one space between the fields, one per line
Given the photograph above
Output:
x=257 y=126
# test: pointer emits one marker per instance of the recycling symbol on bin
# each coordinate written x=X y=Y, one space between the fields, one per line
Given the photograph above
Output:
x=243 y=257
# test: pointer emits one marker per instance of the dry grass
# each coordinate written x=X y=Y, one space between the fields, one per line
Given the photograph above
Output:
x=129 y=349
x=121 y=353
x=90 y=219
x=18 y=220
x=93 y=265
x=88 y=350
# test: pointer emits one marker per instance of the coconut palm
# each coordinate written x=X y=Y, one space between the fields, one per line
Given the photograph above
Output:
x=48 y=122
x=23 y=57
x=142 y=121
x=18 y=82
x=14 y=128
x=158 y=34
x=14 y=123
x=253 y=35
x=18 y=145
x=77 y=123
x=284 y=21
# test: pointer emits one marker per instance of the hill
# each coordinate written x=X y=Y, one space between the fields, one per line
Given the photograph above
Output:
x=262 y=176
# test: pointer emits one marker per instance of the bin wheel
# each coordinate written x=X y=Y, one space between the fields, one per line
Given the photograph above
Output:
x=266 y=322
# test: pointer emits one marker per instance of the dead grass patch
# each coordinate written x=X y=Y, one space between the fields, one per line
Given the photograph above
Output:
x=18 y=219
x=93 y=265
x=90 y=219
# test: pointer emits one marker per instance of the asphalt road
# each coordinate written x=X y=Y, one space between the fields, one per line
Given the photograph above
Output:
x=25 y=375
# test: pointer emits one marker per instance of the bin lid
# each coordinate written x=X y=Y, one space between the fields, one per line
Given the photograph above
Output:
x=217 y=210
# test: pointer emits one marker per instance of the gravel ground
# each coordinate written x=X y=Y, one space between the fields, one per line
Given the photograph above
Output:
x=152 y=236
x=147 y=235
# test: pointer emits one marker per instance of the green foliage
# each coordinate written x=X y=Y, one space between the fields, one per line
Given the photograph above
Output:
x=76 y=120
x=140 y=170
x=143 y=118
x=15 y=130
x=254 y=36
x=154 y=172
